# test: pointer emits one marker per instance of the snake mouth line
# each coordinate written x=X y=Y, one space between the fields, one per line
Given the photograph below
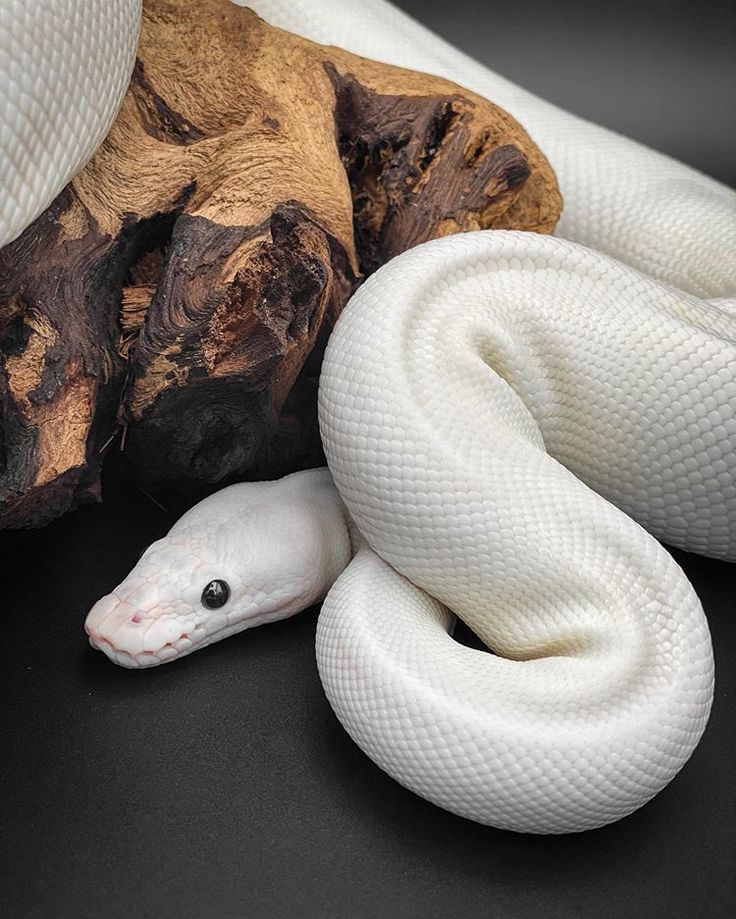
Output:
x=183 y=646
x=144 y=659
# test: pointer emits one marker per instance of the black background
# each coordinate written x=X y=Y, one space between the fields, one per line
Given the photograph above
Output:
x=223 y=785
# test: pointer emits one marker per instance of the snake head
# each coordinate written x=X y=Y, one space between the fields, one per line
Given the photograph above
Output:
x=184 y=593
x=247 y=555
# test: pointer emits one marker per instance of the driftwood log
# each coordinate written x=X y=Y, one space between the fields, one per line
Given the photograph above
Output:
x=180 y=290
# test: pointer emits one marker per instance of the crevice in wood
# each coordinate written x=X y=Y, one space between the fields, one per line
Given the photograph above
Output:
x=411 y=162
x=158 y=118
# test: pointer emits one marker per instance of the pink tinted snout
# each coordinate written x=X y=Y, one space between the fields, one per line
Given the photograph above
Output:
x=108 y=615
x=130 y=636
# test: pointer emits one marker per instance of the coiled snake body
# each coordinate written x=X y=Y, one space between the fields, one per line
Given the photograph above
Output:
x=64 y=69
x=495 y=409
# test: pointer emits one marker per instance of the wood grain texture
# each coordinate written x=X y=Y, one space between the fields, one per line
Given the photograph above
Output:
x=182 y=288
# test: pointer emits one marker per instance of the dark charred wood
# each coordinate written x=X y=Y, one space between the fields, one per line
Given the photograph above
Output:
x=414 y=172
x=225 y=338
x=60 y=372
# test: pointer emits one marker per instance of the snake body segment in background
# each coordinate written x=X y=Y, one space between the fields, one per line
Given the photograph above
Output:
x=64 y=69
x=470 y=389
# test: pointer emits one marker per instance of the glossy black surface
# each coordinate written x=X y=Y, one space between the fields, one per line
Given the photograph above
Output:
x=216 y=594
x=223 y=785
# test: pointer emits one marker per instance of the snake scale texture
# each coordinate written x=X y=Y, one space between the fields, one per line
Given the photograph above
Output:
x=511 y=422
x=64 y=69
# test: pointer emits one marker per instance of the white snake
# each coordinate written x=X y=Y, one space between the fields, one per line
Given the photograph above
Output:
x=64 y=69
x=470 y=388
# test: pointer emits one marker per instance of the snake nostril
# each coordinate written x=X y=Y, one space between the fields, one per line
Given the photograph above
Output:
x=136 y=617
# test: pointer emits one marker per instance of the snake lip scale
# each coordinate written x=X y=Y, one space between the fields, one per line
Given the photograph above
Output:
x=511 y=422
x=187 y=643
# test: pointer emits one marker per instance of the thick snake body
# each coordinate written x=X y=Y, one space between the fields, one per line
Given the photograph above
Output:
x=503 y=415
x=470 y=390
x=64 y=69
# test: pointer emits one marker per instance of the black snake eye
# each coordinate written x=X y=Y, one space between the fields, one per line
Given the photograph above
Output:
x=215 y=594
